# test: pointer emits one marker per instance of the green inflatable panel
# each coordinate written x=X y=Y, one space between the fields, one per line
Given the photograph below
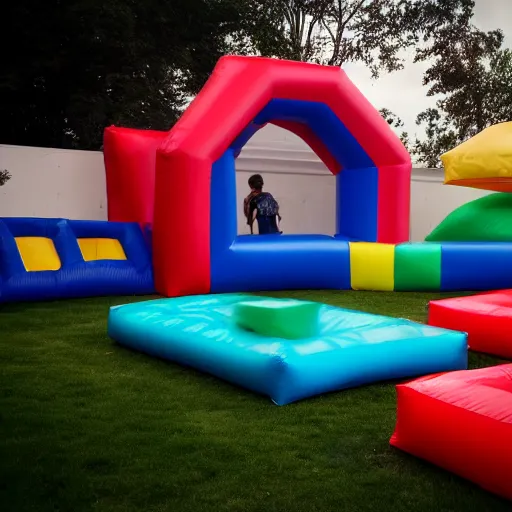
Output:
x=417 y=267
x=487 y=219
x=279 y=318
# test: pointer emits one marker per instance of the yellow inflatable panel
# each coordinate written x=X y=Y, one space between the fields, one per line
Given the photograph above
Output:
x=484 y=161
x=101 y=249
x=372 y=266
x=38 y=253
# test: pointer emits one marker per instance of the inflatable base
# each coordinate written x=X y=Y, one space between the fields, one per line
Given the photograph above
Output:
x=487 y=318
x=462 y=422
x=309 y=262
x=350 y=348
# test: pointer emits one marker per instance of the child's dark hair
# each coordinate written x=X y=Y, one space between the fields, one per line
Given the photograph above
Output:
x=256 y=182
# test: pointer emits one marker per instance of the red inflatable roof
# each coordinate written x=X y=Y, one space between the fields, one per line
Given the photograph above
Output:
x=247 y=84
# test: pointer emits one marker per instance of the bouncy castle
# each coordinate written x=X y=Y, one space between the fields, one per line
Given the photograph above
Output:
x=166 y=233
x=174 y=181
x=178 y=179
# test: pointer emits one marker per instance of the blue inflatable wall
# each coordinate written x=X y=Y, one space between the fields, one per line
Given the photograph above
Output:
x=59 y=244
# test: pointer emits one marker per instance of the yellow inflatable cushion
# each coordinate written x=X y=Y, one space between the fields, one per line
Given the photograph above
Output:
x=38 y=253
x=372 y=266
x=484 y=161
x=101 y=249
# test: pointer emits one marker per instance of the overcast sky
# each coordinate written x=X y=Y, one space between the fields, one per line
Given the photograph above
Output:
x=402 y=92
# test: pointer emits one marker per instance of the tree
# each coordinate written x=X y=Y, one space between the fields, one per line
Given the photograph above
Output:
x=332 y=32
x=80 y=65
x=335 y=32
x=4 y=177
x=439 y=138
x=472 y=74
x=395 y=122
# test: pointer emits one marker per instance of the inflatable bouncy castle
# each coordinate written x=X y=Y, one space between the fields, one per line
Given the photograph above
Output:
x=167 y=188
x=175 y=181
x=166 y=231
x=196 y=247
x=186 y=180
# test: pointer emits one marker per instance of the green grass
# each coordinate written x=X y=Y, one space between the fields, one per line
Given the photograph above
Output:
x=89 y=426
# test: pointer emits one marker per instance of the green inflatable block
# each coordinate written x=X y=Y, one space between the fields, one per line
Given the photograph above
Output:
x=487 y=219
x=279 y=318
x=418 y=267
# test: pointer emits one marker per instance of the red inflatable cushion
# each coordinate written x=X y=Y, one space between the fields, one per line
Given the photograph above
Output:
x=486 y=318
x=461 y=421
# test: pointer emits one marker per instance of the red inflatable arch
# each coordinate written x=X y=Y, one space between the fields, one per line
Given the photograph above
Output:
x=195 y=250
x=239 y=89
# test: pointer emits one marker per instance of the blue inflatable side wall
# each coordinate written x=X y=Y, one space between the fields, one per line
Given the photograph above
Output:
x=75 y=277
x=475 y=266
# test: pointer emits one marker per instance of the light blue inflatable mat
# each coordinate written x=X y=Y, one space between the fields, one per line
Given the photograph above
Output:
x=345 y=348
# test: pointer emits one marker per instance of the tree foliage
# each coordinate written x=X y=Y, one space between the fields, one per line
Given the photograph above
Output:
x=396 y=122
x=80 y=65
x=374 y=32
x=5 y=176
x=472 y=75
x=333 y=32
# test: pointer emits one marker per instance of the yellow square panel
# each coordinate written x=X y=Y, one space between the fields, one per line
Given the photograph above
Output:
x=94 y=249
x=38 y=253
x=372 y=266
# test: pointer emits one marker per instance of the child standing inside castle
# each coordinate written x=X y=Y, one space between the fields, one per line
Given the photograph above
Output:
x=261 y=207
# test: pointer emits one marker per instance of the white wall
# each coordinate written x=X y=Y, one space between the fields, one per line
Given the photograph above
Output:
x=53 y=183
x=71 y=184
x=432 y=201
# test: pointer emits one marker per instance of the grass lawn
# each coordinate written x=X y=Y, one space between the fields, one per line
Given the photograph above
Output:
x=86 y=425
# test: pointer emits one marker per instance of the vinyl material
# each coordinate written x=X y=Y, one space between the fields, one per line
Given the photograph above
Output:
x=43 y=259
x=462 y=422
x=351 y=348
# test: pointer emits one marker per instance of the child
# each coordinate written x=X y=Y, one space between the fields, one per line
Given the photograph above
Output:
x=262 y=207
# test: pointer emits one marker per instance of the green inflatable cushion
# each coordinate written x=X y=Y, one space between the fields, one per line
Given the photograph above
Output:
x=279 y=318
x=487 y=219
